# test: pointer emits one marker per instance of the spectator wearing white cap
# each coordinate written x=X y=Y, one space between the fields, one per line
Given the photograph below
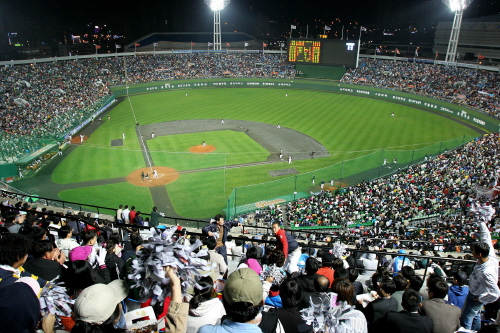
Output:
x=98 y=308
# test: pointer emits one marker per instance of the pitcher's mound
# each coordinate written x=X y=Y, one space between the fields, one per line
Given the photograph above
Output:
x=165 y=175
x=201 y=149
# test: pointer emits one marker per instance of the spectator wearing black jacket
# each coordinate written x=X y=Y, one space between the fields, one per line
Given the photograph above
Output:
x=114 y=263
x=219 y=229
x=289 y=314
x=306 y=282
x=377 y=309
x=48 y=260
x=408 y=320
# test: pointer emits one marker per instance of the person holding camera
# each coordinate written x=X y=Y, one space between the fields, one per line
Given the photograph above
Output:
x=49 y=260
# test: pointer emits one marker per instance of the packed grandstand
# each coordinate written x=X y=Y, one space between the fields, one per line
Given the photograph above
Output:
x=46 y=100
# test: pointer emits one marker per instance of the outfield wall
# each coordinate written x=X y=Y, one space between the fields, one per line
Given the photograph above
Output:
x=477 y=118
x=319 y=72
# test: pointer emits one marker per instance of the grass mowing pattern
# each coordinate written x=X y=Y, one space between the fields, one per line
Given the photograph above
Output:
x=342 y=123
x=96 y=163
x=347 y=126
x=95 y=159
x=231 y=148
x=193 y=194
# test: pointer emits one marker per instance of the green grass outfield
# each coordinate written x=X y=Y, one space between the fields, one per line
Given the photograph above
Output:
x=232 y=148
x=348 y=126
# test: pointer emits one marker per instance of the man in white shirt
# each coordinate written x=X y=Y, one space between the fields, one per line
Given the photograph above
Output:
x=65 y=242
x=229 y=246
x=215 y=257
x=125 y=215
x=483 y=288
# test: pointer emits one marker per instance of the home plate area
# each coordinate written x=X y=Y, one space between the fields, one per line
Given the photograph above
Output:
x=146 y=176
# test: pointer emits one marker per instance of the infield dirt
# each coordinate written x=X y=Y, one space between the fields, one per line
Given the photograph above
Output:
x=202 y=149
x=166 y=175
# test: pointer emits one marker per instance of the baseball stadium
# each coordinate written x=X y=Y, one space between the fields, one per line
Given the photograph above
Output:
x=201 y=134
x=387 y=156
x=251 y=180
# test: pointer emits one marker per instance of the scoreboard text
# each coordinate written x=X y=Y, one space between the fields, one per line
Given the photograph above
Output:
x=304 y=51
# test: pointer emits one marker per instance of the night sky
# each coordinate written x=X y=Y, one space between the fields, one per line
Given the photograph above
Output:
x=51 y=20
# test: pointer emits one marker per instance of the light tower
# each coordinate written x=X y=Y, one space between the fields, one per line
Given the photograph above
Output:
x=217 y=6
x=458 y=7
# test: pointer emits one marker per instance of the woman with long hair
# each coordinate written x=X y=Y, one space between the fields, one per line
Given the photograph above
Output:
x=79 y=276
x=348 y=317
x=114 y=263
x=289 y=315
x=203 y=307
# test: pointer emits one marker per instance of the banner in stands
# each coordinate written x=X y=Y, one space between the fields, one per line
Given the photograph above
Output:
x=103 y=108
x=473 y=116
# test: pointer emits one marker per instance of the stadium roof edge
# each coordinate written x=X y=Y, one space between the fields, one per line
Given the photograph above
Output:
x=489 y=18
x=192 y=37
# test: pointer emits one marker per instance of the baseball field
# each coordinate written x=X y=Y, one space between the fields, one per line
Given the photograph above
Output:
x=204 y=142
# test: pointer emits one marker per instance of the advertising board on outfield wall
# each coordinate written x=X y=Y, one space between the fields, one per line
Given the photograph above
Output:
x=100 y=110
x=475 y=117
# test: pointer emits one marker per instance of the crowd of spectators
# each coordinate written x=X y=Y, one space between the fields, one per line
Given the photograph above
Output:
x=203 y=65
x=395 y=206
x=471 y=87
x=47 y=100
x=331 y=289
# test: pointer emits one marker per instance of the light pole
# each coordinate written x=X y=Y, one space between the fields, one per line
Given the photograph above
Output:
x=458 y=7
x=217 y=6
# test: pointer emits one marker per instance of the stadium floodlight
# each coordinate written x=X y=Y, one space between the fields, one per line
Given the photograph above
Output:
x=217 y=6
x=458 y=6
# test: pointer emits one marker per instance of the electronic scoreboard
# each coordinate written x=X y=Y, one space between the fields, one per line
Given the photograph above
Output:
x=327 y=52
x=307 y=51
